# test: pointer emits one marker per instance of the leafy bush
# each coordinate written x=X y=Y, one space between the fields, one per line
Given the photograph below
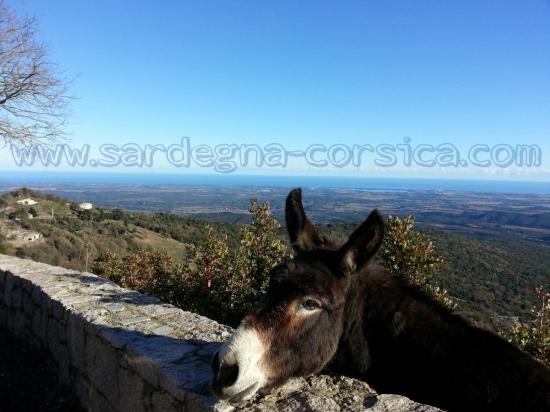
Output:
x=409 y=252
x=20 y=213
x=3 y=248
x=224 y=282
x=217 y=282
x=147 y=272
x=534 y=336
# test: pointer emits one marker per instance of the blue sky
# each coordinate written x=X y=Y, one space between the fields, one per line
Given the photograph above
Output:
x=306 y=72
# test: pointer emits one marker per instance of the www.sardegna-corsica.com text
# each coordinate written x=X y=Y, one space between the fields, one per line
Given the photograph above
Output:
x=227 y=158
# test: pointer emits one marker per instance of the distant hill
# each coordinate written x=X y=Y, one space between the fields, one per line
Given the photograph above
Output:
x=493 y=278
x=492 y=275
x=481 y=214
x=73 y=238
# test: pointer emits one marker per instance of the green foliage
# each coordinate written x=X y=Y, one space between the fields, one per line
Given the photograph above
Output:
x=85 y=214
x=21 y=213
x=493 y=278
x=217 y=281
x=241 y=277
x=534 y=336
x=145 y=271
x=118 y=214
x=181 y=228
x=3 y=248
x=32 y=211
x=410 y=253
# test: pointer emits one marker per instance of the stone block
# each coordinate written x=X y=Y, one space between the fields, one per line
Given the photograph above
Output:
x=20 y=326
x=148 y=354
x=16 y=297
x=98 y=403
x=26 y=304
x=162 y=402
x=36 y=294
x=130 y=391
x=57 y=310
x=81 y=386
x=76 y=342
x=102 y=368
x=8 y=287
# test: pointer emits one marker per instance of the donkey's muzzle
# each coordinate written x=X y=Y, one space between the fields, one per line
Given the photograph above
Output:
x=224 y=375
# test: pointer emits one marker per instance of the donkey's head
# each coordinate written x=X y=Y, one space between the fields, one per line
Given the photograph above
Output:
x=295 y=330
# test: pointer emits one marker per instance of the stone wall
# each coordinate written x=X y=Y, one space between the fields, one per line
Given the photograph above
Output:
x=123 y=351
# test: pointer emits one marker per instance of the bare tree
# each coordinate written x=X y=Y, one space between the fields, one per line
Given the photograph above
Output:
x=33 y=98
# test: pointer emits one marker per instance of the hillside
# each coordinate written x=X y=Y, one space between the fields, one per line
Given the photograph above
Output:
x=73 y=238
x=492 y=278
x=494 y=275
x=482 y=214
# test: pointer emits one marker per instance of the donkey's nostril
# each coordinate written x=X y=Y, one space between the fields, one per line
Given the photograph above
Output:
x=227 y=375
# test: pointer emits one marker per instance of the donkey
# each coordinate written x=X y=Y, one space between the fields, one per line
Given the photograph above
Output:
x=331 y=306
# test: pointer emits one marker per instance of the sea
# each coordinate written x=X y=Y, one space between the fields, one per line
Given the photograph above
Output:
x=38 y=179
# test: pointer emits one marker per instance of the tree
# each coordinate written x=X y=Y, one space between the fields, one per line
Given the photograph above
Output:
x=3 y=248
x=217 y=281
x=118 y=214
x=224 y=283
x=534 y=337
x=20 y=213
x=33 y=212
x=409 y=252
x=33 y=95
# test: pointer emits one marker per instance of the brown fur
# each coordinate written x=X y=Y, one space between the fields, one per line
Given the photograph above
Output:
x=375 y=327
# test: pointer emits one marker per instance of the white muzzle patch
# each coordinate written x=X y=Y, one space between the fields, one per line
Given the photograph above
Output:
x=244 y=349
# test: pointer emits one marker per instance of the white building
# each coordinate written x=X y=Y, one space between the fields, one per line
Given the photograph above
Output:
x=85 y=206
x=27 y=202
x=31 y=237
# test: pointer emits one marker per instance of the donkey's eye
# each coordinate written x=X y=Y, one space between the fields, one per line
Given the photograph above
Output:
x=310 y=304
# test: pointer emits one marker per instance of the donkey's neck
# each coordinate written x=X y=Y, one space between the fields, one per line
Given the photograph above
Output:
x=392 y=329
x=383 y=312
x=400 y=341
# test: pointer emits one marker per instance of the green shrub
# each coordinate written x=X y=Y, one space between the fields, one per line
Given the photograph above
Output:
x=534 y=336
x=144 y=271
x=409 y=252
x=217 y=281
x=225 y=285
x=3 y=248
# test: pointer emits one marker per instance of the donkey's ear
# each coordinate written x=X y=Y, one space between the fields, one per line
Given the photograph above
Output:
x=302 y=233
x=363 y=243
